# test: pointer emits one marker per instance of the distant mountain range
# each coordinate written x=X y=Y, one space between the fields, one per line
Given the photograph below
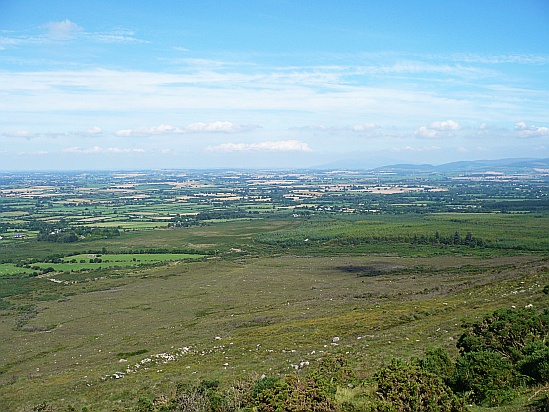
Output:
x=515 y=165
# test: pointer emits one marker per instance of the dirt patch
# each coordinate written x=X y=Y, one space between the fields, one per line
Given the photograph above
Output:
x=375 y=269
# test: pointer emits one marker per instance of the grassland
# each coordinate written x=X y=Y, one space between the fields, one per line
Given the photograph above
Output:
x=227 y=297
x=257 y=315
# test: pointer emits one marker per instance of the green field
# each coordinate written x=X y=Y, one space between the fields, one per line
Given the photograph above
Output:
x=11 y=269
x=86 y=261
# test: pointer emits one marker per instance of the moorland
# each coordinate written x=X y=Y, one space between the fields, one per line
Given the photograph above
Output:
x=257 y=290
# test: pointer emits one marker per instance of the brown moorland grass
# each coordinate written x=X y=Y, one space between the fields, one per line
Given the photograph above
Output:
x=244 y=316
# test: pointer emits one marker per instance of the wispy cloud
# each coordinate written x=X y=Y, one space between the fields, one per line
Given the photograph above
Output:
x=463 y=149
x=92 y=131
x=501 y=58
x=224 y=127
x=34 y=153
x=269 y=146
x=416 y=149
x=361 y=127
x=62 y=29
x=100 y=150
x=166 y=129
x=19 y=133
x=55 y=31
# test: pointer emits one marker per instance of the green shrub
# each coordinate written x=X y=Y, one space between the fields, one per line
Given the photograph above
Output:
x=535 y=363
x=144 y=404
x=406 y=387
x=506 y=331
x=486 y=377
x=438 y=363
x=203 y=397
x=290 y=394
x=331 y=372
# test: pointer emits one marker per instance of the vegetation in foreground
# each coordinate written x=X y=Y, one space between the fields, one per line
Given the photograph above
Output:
x=500 y=356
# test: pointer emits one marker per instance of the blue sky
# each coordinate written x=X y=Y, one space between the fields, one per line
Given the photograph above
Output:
x=290 y=84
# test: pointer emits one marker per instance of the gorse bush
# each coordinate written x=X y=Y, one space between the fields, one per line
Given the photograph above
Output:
x=407 y=387
x=500 y=353
x=535 y=363
x=507 y=331
x=437 y=362
x=291 y=394
x=486 y=377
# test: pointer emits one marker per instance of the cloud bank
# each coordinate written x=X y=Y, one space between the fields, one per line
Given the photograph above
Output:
x=269 y=146
x=166 y=129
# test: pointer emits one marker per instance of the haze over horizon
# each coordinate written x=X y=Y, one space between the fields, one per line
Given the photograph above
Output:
x=271 y=83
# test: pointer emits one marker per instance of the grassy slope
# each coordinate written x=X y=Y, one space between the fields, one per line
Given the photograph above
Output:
x=268 y=312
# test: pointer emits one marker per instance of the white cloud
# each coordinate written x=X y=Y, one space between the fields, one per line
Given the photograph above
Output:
x=150 y=131
x=94 y=130
x=520 y=126
x=424 y=131
x=445 y=125
x=416 y=149
x=34 y=153
x=313 y=128
x=364 y=127
x=525 y=131
x=502 y=58
x=64 y=28
x=117 y=35
x=225 y=127
x=99 y=150
x=19 y=133
x=269 y=146
x=438 y=129
x=463 y=149
x=214 y=127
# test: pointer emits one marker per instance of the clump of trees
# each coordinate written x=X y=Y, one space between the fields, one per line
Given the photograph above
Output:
x=72 y=234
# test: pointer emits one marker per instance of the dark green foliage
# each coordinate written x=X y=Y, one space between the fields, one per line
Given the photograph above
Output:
x=144 y=404
x=63 y=233
x=499 y=351
x=406 y=387
x=506 y=331
x=486 y=377
x=438 y=363
x=535 y=363
x=202 y=397
x=333 y=371
x=264 y=384
x=291 y=394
